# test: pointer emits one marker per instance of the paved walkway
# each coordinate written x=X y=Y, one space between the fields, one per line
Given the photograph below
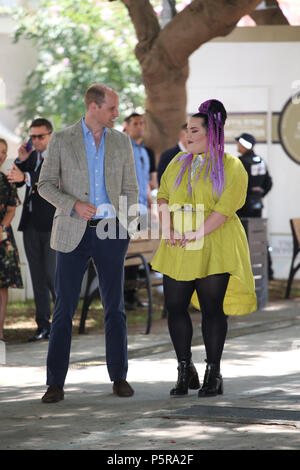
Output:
x=260 y=408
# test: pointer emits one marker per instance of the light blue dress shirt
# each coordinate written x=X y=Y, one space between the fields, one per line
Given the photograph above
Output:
x=142 y=166
x=95 y=160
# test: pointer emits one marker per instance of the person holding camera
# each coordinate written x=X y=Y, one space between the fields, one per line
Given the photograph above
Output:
x=36 y=222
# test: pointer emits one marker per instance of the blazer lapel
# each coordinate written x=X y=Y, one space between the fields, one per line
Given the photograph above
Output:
x=32 y=161
x=108 y=152
x=78 y=145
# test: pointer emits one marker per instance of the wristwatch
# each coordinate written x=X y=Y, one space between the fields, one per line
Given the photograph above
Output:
x=4 y=228
x=25 y=177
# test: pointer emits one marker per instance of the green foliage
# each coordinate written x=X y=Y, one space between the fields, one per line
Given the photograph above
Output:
x=78 y=42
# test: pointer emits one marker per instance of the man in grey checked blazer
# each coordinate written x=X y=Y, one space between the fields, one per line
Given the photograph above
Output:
x=88 y=166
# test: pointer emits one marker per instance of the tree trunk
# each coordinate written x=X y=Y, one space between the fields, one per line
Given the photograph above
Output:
x=165 y=106
x=163 y=55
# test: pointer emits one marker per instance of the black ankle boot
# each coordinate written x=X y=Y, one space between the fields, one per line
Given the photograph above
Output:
x=213 y=382
x=187 y=378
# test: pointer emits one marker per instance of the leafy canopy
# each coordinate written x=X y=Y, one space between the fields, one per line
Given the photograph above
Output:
x=78 y=42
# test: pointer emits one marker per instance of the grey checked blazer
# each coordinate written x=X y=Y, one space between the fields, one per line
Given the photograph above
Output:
x=64 y=179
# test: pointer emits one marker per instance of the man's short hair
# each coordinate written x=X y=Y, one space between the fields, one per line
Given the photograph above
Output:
x=96 y=94
x=132 y=115
x=42 y=122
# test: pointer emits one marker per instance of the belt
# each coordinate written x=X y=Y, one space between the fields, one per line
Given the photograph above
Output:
x=93 y=222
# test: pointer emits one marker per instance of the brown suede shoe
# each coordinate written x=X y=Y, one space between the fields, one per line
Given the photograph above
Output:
x=53 y=394
x=122 y=388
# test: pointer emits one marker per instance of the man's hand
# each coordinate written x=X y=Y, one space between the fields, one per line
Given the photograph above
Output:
x=15 y=175
x=22 y=153
x=85 y=210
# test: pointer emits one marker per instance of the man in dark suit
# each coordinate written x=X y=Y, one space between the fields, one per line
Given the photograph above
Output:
x=259 y=179
x=259 y=182
x=36 y=222
x=167 y=156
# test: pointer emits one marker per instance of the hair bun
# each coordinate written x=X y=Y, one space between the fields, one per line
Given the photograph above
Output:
x=216 y=109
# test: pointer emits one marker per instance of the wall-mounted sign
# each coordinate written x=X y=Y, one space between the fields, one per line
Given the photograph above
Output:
x=252 y=123
x=289 y=129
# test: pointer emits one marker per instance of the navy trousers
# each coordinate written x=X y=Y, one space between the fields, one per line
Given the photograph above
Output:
x=108 y=256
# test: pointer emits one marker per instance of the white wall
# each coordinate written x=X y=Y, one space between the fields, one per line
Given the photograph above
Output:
x=249 y=74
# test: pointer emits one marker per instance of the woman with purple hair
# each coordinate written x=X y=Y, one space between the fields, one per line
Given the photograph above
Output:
x=203 y=254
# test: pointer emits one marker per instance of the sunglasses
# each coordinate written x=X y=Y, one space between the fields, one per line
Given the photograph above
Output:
x=39 y=136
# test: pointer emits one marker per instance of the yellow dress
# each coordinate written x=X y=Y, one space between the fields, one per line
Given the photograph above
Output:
x=225 y=250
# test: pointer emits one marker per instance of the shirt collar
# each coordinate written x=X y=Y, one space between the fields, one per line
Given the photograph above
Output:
x=134 y=143
x=182 y=148
x=86 y=130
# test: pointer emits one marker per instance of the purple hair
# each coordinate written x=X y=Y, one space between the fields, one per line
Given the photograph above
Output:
x=216 y=116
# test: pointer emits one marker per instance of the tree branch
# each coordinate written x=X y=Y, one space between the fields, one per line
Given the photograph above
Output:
x=272 y=14
x=145 y=22
x=199 y=22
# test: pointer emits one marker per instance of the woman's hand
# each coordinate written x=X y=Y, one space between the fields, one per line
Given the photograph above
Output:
x=211 y=223
x=172 y=237
x=190 y=236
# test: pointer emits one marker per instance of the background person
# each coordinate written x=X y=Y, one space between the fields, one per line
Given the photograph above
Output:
x=207 y=262
x=152 y=170
x=259 y=179
x=259 y=182
x=36 y=223
x=10 y=274
x=135 y=128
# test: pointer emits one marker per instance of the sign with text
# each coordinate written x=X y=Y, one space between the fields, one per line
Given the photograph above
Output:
x=289 y=129
x=252 y=123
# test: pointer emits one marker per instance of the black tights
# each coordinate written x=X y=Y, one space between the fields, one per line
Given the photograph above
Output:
x=211 y=292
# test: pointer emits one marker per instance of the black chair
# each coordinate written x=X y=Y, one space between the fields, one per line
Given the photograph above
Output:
x=295 y=226
x=92 y=291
